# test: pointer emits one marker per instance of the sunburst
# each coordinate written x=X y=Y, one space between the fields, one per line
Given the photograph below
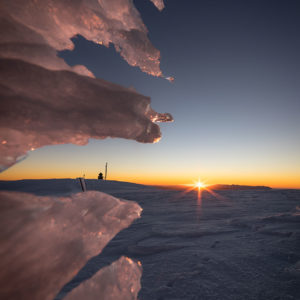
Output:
x=199 y=186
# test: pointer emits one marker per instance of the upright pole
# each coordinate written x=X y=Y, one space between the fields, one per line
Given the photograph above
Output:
x=105 y=171
x=82 y=183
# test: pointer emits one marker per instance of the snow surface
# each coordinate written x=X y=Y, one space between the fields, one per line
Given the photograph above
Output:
x=240 y=245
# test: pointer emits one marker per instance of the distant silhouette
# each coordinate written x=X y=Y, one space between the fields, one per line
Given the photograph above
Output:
x=100 y=176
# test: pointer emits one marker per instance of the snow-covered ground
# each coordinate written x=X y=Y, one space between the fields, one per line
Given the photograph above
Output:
x=238 y=245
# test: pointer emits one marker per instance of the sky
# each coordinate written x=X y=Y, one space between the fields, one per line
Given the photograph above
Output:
x=235 y=99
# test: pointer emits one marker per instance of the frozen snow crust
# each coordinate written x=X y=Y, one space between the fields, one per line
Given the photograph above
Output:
x=242 y=245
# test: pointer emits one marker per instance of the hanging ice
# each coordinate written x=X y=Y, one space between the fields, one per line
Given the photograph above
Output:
x=33 y=30
x=56 y=107
x=171 y=79
x=46 y=102
x=159 y=4
x=46 y=240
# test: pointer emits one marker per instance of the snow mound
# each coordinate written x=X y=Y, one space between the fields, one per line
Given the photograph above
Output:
x=45 y=241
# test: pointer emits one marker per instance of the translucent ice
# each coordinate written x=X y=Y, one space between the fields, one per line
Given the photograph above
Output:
x=31 y=29
x=119 y=281
x=56 y=107
x=46 y=240
x=45 y=101
x=159 y=4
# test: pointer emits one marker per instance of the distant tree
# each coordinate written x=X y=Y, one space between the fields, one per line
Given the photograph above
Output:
x=100 y=176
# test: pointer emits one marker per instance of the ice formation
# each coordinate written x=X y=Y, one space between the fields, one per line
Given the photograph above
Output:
x=120 y=280
x=44 y=101
x=55 y=107
x=31 y=29
x=159 y=4
x=46 y=240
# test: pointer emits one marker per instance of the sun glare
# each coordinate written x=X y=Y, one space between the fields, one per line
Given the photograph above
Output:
x=199 y=185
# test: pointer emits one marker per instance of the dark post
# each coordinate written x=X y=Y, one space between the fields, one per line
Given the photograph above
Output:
x=105 y=171
x=82 y=183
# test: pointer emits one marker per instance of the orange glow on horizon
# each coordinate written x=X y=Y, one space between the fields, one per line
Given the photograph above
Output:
x=23 y=171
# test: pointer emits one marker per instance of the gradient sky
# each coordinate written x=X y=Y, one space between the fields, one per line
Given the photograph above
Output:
x=235 y=99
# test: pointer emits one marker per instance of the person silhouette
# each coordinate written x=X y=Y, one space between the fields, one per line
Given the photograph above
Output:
x=100 y=176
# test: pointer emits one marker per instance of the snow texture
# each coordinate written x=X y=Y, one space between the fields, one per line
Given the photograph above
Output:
x=44 y=101
x=244 y=244
x=46 y=240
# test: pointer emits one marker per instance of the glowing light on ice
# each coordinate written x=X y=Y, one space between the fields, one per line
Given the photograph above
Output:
x=171 y=79
x=35 y=81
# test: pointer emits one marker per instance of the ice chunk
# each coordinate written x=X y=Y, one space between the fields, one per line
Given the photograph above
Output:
x=45 y=101
x=119 y=281
x=159 y=4
x=37 y=27
x=170 y=78
x=55 y=107
x=46 y=240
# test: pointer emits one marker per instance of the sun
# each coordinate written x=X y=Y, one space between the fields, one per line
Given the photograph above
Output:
x=199 y=185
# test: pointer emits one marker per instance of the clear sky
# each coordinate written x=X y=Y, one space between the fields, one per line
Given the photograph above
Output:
x=235 y=99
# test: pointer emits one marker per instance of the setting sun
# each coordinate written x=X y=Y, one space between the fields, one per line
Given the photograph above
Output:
x=199 y=185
